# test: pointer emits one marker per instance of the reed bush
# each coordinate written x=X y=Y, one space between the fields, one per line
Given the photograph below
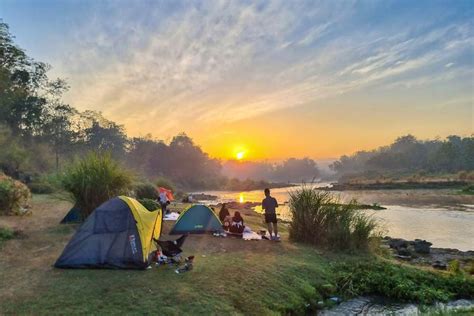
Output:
x=41 y=188
x=318 y=218
x=95 y=179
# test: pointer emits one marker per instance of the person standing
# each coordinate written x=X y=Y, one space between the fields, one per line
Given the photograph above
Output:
x=164 y=202
x=269 y=205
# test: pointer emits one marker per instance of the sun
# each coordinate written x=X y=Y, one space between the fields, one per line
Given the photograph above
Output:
x=240 y=155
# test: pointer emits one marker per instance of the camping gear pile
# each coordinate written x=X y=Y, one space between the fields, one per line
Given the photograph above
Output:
x=169 y=252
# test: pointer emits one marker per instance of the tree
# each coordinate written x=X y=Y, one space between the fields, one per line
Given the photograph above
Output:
x=58 y=130
x=23 y=87
x=99 y=134
x=407 y=154
x=299 y=170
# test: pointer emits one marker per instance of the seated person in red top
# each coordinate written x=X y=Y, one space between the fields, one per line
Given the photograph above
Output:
x=237 y=225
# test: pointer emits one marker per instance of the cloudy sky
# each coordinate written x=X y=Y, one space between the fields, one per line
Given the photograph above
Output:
x=275 y=78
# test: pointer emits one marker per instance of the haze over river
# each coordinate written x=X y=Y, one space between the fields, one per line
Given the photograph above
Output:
x=440 y=216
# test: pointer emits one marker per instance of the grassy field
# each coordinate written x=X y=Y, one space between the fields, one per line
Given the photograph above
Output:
x=230 y=276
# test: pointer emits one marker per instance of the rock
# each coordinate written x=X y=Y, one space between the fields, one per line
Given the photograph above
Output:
x=439 y=265
x=422 y=246
x=406 y=258
x=335 y=299
x=398 y=243
x=404 y=252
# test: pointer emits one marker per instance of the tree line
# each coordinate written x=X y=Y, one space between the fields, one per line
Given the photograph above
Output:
x=407 y=154
x=289 y=170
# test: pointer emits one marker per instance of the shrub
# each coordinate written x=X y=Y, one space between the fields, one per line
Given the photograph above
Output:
x=454 y=266
x=374 y=277
x=41 y=188
x=6 y=233
x=468 y=189
x=14 y=196
x=45 y=184
x=319 y=219
x=94 y=180
x=466 y=175
x=149 y=204
x=165 y=183
x=145 y=191
x=469 y=267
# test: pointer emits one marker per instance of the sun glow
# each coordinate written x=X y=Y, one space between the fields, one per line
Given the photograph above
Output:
x=240 y=155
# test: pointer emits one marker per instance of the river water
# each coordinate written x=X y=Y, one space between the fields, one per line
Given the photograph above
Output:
x=440 y=216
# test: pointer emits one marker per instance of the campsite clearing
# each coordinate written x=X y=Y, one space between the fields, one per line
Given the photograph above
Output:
x=230 y=275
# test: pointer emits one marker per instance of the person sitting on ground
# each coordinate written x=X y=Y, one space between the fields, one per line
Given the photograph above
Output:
x=224 y=212
x=269 y=204
x=237 y=227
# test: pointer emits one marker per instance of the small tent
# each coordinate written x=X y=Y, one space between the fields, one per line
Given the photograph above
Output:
x=73 y=216
x=198 y=219
x=117 y=234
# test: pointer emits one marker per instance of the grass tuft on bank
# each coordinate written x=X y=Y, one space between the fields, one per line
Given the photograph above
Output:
x=321 y=220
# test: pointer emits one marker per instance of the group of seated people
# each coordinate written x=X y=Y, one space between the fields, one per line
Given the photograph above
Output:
x=231 y=224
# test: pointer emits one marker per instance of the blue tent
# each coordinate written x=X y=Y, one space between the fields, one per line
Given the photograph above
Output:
x=73 y=216
x=198 y=219
x=118 y=234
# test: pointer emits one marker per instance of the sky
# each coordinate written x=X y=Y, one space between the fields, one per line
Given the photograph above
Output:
x=273 y=79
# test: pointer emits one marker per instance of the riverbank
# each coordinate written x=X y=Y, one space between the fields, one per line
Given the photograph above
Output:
x=230 y=276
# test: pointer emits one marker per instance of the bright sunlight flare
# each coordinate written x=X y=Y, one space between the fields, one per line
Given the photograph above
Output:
x=240 y=155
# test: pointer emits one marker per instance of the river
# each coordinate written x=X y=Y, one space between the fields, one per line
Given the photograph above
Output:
x=440 y=216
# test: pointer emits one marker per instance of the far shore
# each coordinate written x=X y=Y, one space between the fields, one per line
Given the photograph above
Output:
x=397 y=185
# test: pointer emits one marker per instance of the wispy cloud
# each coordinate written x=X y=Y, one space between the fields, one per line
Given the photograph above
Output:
x=154 y=66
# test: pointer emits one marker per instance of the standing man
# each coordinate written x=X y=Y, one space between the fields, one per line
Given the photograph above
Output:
x=269 y=204
x=164 y=202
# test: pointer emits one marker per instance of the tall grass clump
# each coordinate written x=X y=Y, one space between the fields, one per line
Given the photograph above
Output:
x=318 y=218
x=95 y=179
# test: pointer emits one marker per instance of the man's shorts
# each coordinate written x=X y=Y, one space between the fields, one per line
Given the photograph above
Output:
x=271 y=218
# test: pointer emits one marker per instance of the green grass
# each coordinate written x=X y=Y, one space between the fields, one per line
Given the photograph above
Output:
x=251 y=286
x=231 y=284
x=5 y=234
x=402 y=283
x=468 y=190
